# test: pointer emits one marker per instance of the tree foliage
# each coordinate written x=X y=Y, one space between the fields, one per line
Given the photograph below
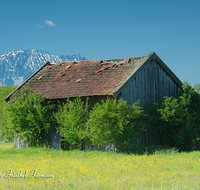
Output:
x=71 y=118
x=30 y=115
x=115 y=122
x=176 y=120
x=4 y=92
x=181 y=118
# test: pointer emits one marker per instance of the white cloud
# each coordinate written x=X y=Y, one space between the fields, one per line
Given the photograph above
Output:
x=49 y=23
x=39 y=25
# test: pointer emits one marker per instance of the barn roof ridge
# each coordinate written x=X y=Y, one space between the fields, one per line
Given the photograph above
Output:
x=87 y=77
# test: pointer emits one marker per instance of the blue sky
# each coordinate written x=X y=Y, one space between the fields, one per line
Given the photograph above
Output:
x=105 y=29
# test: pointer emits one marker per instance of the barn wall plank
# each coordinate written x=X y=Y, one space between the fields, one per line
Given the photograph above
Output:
x=151 y=83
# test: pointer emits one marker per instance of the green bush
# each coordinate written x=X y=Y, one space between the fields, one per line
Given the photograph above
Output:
x=30 y=117
x=71 y=118
x=115 y=122
x=177 y=119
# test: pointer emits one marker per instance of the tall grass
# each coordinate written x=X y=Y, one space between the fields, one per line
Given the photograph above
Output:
x=99 y=170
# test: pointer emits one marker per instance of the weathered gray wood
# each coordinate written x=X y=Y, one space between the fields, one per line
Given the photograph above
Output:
x=150 y=84
x=55 y=139
x=18 y=143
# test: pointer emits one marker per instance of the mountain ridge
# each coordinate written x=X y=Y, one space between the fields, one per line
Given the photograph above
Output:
x=17 y=66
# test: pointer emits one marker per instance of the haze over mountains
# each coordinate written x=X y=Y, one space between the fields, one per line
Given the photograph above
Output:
x=17 y=66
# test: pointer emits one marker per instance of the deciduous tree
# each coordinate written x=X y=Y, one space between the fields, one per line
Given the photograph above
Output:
x=31 y=116
x=182 y=116
x=115 y=122
x=71 y=118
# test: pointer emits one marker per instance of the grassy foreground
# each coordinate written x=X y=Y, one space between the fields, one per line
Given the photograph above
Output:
x=97 y=170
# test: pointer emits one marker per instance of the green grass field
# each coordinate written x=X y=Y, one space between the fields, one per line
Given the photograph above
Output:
x=96 y=170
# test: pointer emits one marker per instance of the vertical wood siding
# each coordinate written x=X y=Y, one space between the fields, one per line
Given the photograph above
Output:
x=150 y=84
x=55 y=138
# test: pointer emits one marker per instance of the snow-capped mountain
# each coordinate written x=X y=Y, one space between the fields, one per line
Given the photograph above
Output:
x=17 y=66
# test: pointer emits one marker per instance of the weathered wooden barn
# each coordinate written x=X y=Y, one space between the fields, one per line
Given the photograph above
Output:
x=146 y=78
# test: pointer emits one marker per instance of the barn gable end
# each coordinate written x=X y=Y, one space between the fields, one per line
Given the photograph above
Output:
x=150 y=82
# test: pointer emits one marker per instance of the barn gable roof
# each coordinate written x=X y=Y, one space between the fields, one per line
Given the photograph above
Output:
x=87 y=78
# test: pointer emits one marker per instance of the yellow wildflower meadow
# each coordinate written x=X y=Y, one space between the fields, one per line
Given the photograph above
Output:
x=56 y=169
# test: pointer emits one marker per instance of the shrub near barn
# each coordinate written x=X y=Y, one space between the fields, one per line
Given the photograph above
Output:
x=182 y=115
x=31 y=115
x=115 y=122
x=112 y=121
x=177 y=119
x=71 y=118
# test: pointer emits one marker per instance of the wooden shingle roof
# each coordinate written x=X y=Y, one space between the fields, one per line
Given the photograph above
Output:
x=83 y=78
